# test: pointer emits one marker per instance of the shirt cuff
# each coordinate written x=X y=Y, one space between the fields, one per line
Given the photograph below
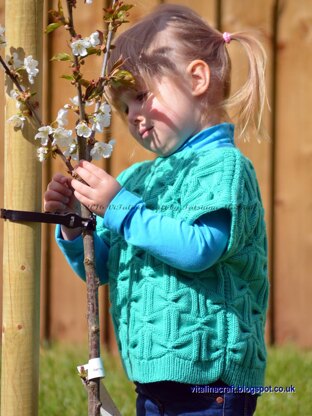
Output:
x=119 y=208
x=70 y=245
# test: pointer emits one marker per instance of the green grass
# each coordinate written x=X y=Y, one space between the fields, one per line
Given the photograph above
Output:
x=288 y=366
x=61 y=391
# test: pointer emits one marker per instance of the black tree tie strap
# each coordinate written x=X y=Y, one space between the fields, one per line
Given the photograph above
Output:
x=70 y=220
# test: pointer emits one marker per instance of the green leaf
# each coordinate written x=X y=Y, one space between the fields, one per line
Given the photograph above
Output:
x=52 y=26
x=68 y=77
x=61 y=57
x=122 y=78
x=84 y=82
x=126 y=7
x=93 y=51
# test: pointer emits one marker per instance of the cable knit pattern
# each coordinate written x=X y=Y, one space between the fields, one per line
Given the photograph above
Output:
x=194 y=327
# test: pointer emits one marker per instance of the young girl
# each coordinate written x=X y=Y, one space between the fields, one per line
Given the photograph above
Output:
x=181 y=239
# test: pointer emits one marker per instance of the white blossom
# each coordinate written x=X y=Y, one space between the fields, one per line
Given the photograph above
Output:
x=80 y=46
x=61 y=118
x=102 y=150
x=17 y=63
x=42 y=153
x=43 y=134
x=31 y=68
x=14 y=60
x=75 y=101
x=72 y=150
x=62 y=137
x=100 y=121
x=105 y=108
x=2 y=37
x=15 y=95
x=83 y=130
x=17 y=121
x=94 y=38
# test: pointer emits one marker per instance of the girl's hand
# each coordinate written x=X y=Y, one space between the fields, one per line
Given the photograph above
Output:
x=101 y=187
x=59 y=196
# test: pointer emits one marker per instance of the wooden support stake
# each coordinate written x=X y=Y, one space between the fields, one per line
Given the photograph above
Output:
x=21 y=242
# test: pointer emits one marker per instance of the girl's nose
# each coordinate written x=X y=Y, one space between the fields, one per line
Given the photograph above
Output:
x=134 y=114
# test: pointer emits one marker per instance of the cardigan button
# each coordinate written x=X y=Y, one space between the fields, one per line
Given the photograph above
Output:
x=219 y=400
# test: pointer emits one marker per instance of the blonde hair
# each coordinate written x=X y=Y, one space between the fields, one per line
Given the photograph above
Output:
x=168 y=39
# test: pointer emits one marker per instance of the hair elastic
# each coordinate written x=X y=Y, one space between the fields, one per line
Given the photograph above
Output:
x=227 y=37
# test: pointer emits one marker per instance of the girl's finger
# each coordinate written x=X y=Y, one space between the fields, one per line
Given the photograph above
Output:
x=90 y=167
x=98 y=209
x=55 y=206
x=88 y=177
x=64 y=180
x=53 y=195
x=81 y=188
x=83 y=199
x=58 y=177
x=59 y=187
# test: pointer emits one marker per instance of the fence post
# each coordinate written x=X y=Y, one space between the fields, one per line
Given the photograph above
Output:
x=21 y=242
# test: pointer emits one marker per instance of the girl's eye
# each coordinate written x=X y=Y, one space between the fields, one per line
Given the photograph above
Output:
x=141 y=96
x=124 y=109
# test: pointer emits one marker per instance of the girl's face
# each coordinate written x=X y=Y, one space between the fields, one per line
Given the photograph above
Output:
x=163 y=120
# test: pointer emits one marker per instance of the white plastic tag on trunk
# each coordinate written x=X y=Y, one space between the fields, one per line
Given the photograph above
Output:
x=94 y=369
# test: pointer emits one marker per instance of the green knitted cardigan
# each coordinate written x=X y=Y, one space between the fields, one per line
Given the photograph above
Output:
x=193 y=327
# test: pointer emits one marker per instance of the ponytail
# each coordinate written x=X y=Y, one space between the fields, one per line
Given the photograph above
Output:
x=249 y=100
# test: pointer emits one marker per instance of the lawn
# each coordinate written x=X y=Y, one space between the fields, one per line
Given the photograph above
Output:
x=61 y=391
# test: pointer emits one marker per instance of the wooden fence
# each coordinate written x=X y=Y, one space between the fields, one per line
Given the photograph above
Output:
x=283 y=163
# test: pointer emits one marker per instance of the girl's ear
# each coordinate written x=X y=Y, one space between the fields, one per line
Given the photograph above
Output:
x=199 y=72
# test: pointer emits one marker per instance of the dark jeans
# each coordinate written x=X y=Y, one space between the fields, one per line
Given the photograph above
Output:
x=169 y=398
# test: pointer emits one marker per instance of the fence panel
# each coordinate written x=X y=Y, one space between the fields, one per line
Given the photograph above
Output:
x=259 y=19
x=293 y=198
x=283 y=164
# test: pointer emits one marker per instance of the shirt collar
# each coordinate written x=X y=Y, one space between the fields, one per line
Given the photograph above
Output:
x=220 y=135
